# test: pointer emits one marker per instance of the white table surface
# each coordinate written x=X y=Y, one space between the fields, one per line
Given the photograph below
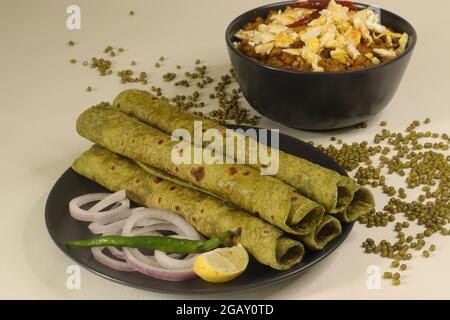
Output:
x=42 y=94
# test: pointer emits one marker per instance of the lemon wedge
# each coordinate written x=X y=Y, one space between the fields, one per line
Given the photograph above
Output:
x=221 y=265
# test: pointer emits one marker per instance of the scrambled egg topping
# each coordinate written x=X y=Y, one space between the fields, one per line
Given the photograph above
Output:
x=337 y=29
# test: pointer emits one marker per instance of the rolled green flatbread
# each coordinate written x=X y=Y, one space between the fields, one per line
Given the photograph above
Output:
x=302 y=209
x=263 y=196
x=207 y=215
x=328 y=229
x=324 y=186
x=364 y=202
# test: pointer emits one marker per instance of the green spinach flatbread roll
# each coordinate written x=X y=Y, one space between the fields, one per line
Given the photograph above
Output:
x=326 y=187
x=263 y=196
x=363 y=202
x=208 y=215
x=328 y=229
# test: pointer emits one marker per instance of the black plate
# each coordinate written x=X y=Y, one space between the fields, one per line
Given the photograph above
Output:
x=62 y=228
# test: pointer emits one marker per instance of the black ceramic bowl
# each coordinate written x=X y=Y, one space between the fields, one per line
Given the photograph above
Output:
x=318 y=101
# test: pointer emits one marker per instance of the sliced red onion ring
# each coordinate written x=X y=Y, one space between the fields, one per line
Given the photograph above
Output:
x=150 y=231
x=120 y=212
x=107 y=229
x=149 y=222
x=116 y=227
x=165 y=261
x=108 y=201
x=175 y=262
x=117 y=253
x=147 y=264
x=157 y=272
x=109 y=262
x=141 y=213
x=142 y=257
x=120 y=219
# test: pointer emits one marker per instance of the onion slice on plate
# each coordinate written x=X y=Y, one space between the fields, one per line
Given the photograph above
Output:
x=145 y=213
x=106 y=229
x=136 y=262
x=109 y=262
x=119 y=212
x=121 y=219
x=165 y=261
x=108 y=201
x=148 y=264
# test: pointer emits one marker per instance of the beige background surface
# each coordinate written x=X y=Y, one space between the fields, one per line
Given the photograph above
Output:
x=42 y=94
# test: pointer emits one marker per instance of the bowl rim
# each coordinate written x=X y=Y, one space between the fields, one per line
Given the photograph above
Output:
x=409 y=49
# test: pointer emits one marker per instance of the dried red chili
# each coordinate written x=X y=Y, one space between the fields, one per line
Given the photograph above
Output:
x=348 y=4
x=311 y=4
x=304 y=21
x=322 y=4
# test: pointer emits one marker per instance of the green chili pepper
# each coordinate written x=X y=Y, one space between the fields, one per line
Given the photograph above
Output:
x=165 y=244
